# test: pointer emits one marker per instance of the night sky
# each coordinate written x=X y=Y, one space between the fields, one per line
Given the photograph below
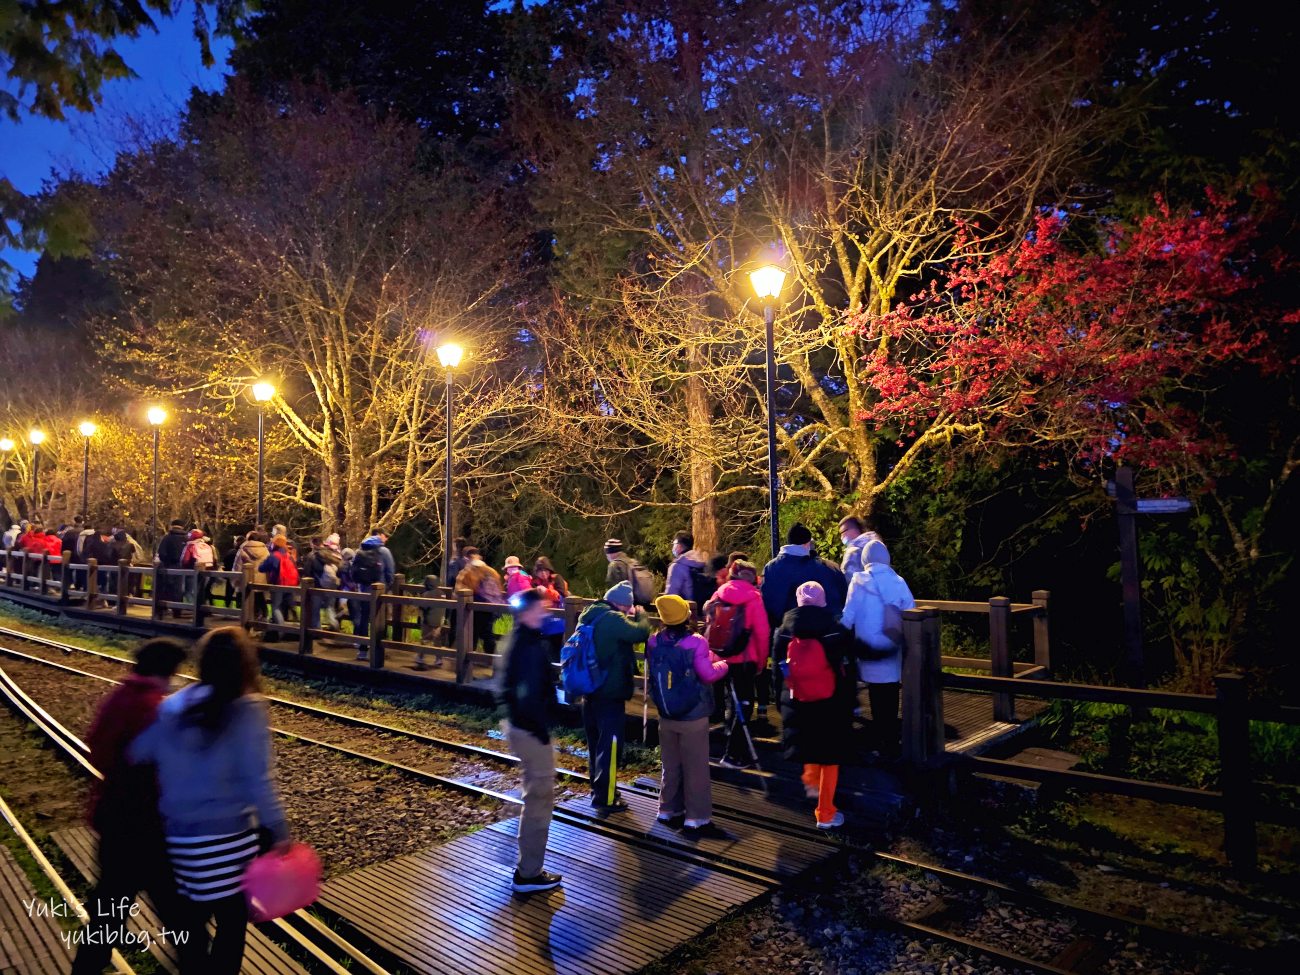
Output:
x=168 y=65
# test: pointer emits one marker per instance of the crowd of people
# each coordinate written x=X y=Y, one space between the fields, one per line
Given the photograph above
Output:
x=802 y=633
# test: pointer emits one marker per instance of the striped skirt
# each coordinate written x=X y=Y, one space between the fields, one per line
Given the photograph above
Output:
x=208 y=868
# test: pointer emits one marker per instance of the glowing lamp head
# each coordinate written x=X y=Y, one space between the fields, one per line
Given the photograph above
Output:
x=6 y=444
x=768 y=281
x=157 y=416
x=37 y=437
x=263 y=392
x=87 y=428
x=449 y=355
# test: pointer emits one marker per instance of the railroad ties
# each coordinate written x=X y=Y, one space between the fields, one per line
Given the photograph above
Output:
x=634 y=890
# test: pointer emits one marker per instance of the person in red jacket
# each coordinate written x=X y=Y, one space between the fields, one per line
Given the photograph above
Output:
x=54 y=545
x=741 y=591
x=124 y=807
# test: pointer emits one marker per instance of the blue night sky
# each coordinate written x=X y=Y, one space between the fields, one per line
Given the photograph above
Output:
x=168 y=65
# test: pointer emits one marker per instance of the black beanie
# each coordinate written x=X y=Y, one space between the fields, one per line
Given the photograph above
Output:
x=798 y=535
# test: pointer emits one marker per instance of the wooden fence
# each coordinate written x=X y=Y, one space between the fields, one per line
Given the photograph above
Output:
x=1237 y=799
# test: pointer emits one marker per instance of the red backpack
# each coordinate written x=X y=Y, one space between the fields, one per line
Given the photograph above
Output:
x=727 y=634
x=811 y=677
x=288 y=571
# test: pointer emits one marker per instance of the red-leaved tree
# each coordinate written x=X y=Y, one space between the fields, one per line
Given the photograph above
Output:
x=1098 y=350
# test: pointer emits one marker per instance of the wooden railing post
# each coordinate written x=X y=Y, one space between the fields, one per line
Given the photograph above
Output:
x=1236 y=780
x=42 y=575
x=123 y=587
x=932 y=666
x=306 y=599
x=92 y=582
x=914 y=704
x=1004 y=705
x=200 y=574
x=397 y=614
x=378 y=614
x=464 y=633
x=573 y=607
x=1042 y=635
x=26 y=569
x=156 y=585
x=65 y=573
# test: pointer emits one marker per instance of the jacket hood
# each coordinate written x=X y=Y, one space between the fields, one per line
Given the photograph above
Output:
x=798 y=551
x=874 y=552
x=738 y=591
x=254 y=547
x=881 y=579
x=810 y=621
x=694 y=558
x=329 y=555
x=595 y=611
x=374 y=541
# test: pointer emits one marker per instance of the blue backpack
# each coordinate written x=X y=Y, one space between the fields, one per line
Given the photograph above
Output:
x=580 y=673
x=674 y=686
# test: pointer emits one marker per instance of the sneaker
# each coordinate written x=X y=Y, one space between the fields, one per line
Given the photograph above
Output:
x=363 y=656
x=672 y=820
x=531 y=885
x=614 y=807
x=706 y=831
x=835 y=822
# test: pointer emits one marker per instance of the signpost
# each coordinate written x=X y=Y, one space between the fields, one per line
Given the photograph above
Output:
x=1127 y=507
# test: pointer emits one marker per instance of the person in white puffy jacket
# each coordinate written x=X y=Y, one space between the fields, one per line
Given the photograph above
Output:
x=873 y=610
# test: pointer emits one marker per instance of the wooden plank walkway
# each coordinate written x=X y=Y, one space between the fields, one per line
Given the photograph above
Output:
x=261 y=955
x=623 y=905
x=29 y=944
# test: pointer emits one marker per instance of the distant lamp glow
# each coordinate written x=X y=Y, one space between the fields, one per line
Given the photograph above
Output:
x=157 y=416
x=768 y=281
x=449 y=355
x=6 y=445
x=263 y=392
x=88 y=428
x=37 y=437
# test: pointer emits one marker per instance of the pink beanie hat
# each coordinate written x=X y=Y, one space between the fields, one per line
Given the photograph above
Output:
x=810 y=594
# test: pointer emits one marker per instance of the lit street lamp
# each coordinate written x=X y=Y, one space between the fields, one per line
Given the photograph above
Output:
x=157 y=417
x=36 y=438
x=87 y=429
x=767 y=281
x=449 y=356
x=263 y=393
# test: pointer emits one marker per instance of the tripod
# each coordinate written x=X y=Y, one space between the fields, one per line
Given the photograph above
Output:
x=738 y=721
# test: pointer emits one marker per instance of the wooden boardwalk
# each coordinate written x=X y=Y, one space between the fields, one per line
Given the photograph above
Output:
x=29 y=945
x=261 y=956
x=633 y=891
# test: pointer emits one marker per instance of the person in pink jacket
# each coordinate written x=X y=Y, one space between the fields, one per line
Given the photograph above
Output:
x=517 y=580
x=740 y=595
x=681 y=672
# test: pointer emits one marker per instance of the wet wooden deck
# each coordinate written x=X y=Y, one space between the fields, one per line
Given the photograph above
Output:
x=29 y=944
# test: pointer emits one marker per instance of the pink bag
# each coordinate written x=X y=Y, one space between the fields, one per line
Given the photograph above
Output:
x=277 y=884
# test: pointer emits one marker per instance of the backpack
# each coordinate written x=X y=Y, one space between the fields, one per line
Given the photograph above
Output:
x=727 y=634
x=367 y=567
x=703 y=585
x=892 y=627
x=580 y=673
x=643 y=584
x=288 y=571
x=674 y=685
x=811 y=676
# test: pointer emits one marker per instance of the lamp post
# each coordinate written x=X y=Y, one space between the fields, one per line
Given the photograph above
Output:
x=449 y=356
x=87 y=429
x=157 y=417
x=768 y=281
x=36 y=438
x=263 y=393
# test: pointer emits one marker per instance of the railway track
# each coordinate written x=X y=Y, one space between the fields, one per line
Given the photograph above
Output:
x=948 y=911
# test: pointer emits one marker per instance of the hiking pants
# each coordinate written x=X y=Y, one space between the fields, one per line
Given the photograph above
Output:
x=537 y=762
x=823 y=778
x=885 y=726
x=603 y=720
x=686 y=789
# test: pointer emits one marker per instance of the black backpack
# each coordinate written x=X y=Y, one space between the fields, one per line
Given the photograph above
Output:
x=703 y=585
x=367 y=567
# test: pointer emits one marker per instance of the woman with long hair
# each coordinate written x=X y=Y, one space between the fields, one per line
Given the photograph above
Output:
x=211 y=746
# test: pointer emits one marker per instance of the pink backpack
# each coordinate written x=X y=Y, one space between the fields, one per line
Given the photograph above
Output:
x=277 y=884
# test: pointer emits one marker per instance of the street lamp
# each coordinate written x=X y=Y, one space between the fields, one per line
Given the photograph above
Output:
x=768 y=281
x=36 y=438
x=263 y=393
x=157 y=417
x=87 y=429
x=449 y=356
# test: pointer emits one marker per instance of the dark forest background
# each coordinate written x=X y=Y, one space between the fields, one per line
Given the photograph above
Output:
x=1026 y=242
